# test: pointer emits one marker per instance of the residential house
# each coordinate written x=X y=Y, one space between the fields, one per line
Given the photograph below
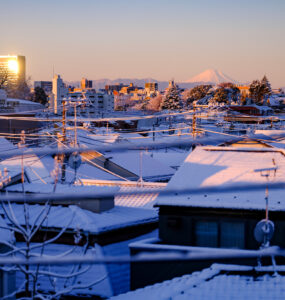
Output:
x=214 y=222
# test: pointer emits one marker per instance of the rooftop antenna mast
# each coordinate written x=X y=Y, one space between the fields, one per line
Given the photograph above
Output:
x=63 y=138
x=264 y=229
x=140 y=171
x=21 y=146
x=75 y=125
x=75 y=159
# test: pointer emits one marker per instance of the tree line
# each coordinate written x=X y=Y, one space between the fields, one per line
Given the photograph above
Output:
x=226 y=93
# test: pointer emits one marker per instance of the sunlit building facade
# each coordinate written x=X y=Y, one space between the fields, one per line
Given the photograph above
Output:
x=14 y=67
x=151 y=87
x=86 y=84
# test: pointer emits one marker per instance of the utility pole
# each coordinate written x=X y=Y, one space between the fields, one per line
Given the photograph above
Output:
x=194 y=122
x=64 y=120
x=75 y=126
x=21 y=145
x=63 y=139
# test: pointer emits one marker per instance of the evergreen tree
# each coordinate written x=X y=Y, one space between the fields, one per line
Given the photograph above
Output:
x=198 y=92
x=171 y=100
x=40 y=96
x=266 y=85
x=255 y=91
x=259 y=89
x=221 y=95
x=235 y=93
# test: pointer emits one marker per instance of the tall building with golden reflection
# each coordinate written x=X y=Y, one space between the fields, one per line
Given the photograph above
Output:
x=14 y=66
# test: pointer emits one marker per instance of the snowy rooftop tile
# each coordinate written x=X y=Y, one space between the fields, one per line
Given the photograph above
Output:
x=74 y=217
x=225 y=166
x=144 y=200
x=217 y=282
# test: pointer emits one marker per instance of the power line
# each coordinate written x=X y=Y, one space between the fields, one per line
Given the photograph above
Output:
x=126 y=146
x=35 y=199
x=158 y=256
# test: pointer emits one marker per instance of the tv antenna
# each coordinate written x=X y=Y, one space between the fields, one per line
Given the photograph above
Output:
x=74 y=162
x=264 y=229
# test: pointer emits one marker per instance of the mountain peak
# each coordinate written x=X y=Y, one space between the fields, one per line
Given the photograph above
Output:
x=211 y=76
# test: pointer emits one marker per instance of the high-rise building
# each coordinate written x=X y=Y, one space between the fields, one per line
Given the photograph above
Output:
x=151 y=86
x=86 y=84
x=114 y=87
x=14 y=66
x=59 y=91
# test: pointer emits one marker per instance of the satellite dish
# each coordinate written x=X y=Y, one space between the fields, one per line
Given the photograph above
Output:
x=74 y=161
x=263 y=231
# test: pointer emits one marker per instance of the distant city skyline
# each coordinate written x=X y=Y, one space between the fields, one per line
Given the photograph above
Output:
x=161 y=39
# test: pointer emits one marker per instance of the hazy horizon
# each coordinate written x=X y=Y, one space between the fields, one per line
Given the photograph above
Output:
x=158 y=39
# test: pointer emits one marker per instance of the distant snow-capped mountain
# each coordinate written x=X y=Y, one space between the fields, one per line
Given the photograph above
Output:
x=211 y=76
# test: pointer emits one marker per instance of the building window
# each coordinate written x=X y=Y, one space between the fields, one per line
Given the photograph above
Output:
x=206 y=234
x=232 y=235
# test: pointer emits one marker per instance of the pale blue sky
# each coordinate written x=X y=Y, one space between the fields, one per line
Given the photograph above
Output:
x=146 y=38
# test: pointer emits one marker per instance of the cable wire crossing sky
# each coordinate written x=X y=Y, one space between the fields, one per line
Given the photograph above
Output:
x=161 y=39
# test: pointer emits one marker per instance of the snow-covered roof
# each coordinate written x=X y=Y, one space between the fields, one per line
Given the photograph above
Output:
x=74 y=217
x=85 y=171
x=144 y=200
x=170 y=158
x=5 y=146
x=22 y=101
x=259 y=107
x=270 y=133
x=217 y=282
x=227 y=166
x=62 y=189
x=35 y=170
x=88 y=138
x=106 y=138
x=151 y=168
